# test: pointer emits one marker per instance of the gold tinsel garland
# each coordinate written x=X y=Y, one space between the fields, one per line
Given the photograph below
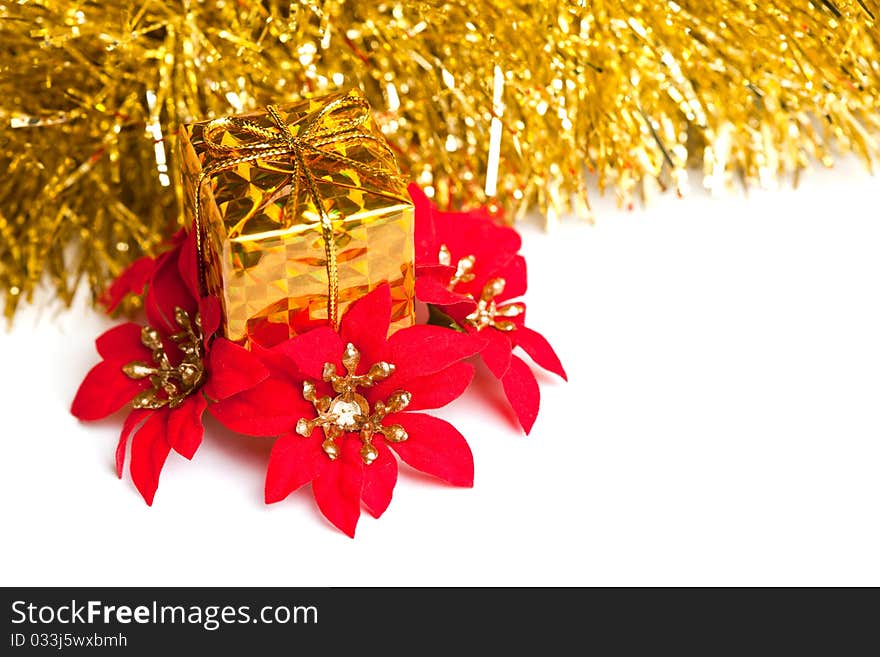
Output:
x=517 y=101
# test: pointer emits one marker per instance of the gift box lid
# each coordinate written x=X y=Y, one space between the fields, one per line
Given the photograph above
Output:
x=266 y=170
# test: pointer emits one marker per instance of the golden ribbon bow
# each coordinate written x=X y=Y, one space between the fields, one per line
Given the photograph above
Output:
x=279 y=141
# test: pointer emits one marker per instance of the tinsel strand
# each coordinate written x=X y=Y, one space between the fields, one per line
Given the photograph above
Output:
x=517 y=103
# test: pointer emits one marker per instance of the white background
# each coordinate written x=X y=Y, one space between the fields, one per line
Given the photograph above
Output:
x=720 y=428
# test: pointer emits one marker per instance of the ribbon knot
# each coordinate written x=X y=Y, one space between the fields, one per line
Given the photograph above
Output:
x=278 y=141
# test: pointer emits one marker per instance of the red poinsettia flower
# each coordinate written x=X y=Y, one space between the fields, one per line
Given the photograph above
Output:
x=467 y=266
x=341 y=403
x=161 y=369
x=133 y=280
x=486 y=245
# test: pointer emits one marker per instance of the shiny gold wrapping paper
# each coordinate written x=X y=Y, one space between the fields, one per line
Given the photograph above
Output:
x=262 y=240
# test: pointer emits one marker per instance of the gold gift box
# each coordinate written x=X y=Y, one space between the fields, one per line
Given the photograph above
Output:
x=292 y=198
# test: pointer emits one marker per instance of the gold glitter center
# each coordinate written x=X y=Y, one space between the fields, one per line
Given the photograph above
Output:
x=349 y=411
x=171 y=385
x=487 y=313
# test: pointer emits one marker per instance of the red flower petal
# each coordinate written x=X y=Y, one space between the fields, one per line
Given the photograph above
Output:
x=185 y=427
x=435 y=447
x=466 y=233
x=518 y=320
x=437 y=390
x=515 y=279
x=540 y=351
x=122 y=343
x=424 y=226
x=311 y=350
x=475 y=233
x=166 y=292
x=133 y=420
x=365 y=325
x=188 y=264
x=492 y=246
x=279 y=364
x=210 y=313
x=268 y=334
x=496 y=352
x=421 y=350
x=270 y=408
x=105 y=390
x=432 y=286
x=233 y=369
x=176 y=238
x=431 y=391
x=337 y=489
x=380 y=477
x=132 y=280
x=294 y=462
x=521 y=390
x=149 y=449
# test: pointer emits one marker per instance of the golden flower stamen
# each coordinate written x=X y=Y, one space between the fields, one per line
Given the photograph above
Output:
x=463 y=270
x=176 y=382
x=487 y=313
x=350 y=411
